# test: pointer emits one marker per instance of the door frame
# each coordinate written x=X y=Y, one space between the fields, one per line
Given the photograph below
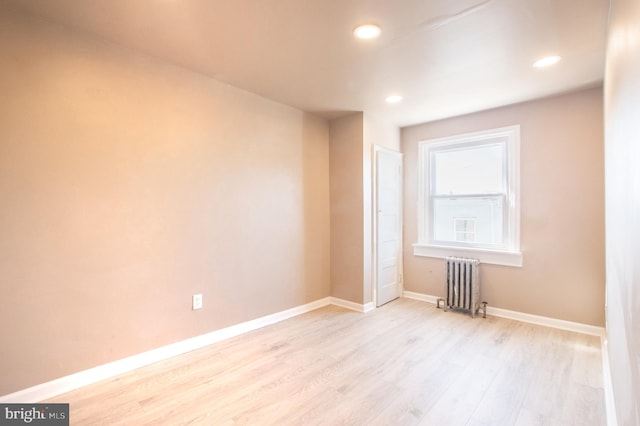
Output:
x=374 y=241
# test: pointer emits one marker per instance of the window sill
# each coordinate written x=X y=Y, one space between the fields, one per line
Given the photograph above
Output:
x=495 y=257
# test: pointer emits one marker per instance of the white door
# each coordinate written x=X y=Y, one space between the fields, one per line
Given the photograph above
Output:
x=388 y=224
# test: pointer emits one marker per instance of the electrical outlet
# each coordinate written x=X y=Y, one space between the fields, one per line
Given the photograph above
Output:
x=196 y=302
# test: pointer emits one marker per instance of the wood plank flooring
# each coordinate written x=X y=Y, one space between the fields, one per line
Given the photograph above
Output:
x=406 y=363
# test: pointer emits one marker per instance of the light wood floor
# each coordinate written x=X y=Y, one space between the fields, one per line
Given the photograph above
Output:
x=406 y=363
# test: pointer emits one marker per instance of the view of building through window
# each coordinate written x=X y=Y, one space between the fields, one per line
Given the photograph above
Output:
x=465 y=229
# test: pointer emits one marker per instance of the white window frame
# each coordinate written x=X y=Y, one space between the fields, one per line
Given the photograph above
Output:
x=510 y=254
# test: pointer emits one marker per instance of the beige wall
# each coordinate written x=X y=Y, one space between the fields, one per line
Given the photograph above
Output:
x=622 y=148
x=347 y=229
x=352 y=139
x=127 y=185
x=562 y=218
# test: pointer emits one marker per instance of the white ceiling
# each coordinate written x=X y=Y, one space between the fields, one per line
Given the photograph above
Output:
x=445 y=57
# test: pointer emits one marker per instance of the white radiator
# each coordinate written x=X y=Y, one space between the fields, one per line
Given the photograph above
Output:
x=462 y=285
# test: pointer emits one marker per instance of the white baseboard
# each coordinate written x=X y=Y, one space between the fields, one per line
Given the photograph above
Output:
x=420 y=296
x=546 y=321
x=83 y=378
x=358 y=307
x=609 y=401
x=523 y=317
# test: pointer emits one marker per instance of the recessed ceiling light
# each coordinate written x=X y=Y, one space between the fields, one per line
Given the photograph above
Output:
x=393 y=99
x=367 y=31
x=547 y=62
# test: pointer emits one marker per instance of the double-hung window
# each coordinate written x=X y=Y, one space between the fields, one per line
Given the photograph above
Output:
x=469 y=197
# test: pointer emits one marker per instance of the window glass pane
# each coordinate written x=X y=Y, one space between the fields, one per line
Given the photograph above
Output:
x=471 y=219
x=471 y=170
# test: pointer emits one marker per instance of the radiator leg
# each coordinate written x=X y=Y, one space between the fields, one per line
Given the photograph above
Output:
x=440 y=299
x=444 y=304
x=484 y=309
